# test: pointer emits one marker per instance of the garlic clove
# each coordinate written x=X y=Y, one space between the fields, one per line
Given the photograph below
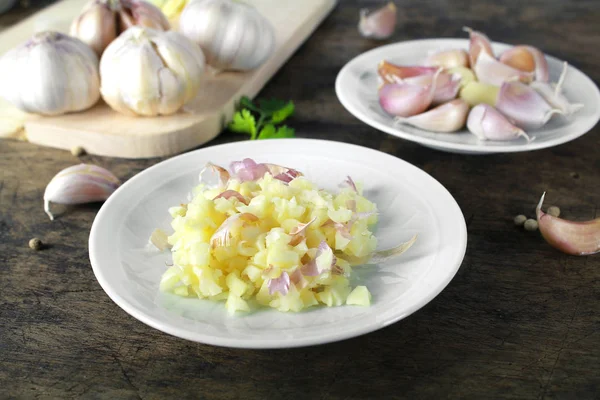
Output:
x=405 y=99
x=449 y=59
x=446 y=88
x=576 y=238
x=83 y=183
x=528 y=59
x=475 y=93
x=487 y=123
x=378 y=24
x=554 y=96
x=466 y=75
x=524 y=105
x=491 y=71
x=392 y=73
x=448 y=117
x=96 y=26
x=478 y=44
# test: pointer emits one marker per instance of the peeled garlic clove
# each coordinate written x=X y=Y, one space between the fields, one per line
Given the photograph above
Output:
x=392 y=73
x=50 y=74
x=406 y=99
x=378 y=24
x=96 y=26
x=524 y=105
x=475 y=93
x=576 y=238
x=448 y=117
x=83 y=183
x=528 y=59
x=478 y=44
x=491 y=71
x=466 y=75
x=554 y=96
x=148 y=72
x=487 y=123
x=449 y=59
x=233 y=35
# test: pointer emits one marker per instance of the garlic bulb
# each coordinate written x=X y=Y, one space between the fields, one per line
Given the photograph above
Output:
x=101 y=21
x=50 y=74
x=232 y=35
x=148 y=72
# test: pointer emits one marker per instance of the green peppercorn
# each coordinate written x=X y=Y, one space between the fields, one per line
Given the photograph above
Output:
x=520 y=220
x=531 y=225
x=36 y=244
x=554 y=211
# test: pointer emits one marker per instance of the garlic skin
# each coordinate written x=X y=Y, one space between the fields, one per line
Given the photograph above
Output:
x=575 y=238
x=487 y=123
x=378 y=24
x=478 y=43
x=524 y=105
x=554 y=96
x=528 y=59
x=83 y=183
x=232 y=35
x=148 y=72
x=101 y=21
x=448 y=59
x=51 y=74
x=491 y=71
x=448 y=117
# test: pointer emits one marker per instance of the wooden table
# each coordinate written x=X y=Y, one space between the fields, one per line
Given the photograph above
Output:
x=520 y=320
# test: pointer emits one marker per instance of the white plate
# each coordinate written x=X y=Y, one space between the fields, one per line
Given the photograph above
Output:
x=410 y=201
x=356 y=88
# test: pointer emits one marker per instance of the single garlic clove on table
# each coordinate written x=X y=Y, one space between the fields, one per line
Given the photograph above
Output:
x=79 y=184
x=148 y=72
x=378 y=24
x=233 y=35
x=51 y=74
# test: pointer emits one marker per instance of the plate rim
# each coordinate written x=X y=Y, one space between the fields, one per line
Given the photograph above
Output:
x=449 y=146
x=250 y=343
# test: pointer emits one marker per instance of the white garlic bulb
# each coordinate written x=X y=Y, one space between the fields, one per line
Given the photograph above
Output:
x=101 y=21
x=233 y=35
x=50 y=74
x=148 y=72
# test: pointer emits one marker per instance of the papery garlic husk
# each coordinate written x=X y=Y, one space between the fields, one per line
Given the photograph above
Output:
x=50 y=74
x=491 y=71
x=528 y=59
x=487 y=123
x=576 y=238
x=79 y=184
x=553 y=94
x=478 y=43
x=475 y=93
x=448 y=59
x=522 y=104
x=448 y=117
x=392 y=73
x=405 y=99
x=378 y=24
x=101 y=21
x=233 y=35
x=148 y=72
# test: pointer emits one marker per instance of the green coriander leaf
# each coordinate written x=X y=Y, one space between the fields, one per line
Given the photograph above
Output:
x=269 y=132
x=244 y=122
x=283 y=113
x=270 y=106
x=245 y=102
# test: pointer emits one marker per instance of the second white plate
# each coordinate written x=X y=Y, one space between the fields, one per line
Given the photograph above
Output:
x=409 y=200
x=356 y=88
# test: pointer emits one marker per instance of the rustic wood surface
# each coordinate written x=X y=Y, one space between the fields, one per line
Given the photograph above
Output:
x=520 y=320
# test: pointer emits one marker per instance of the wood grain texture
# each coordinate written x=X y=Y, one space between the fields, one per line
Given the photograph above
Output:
x=519 y=321
x=101 y=130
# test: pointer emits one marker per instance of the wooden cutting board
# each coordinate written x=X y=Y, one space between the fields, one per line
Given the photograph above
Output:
x=103 y=131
